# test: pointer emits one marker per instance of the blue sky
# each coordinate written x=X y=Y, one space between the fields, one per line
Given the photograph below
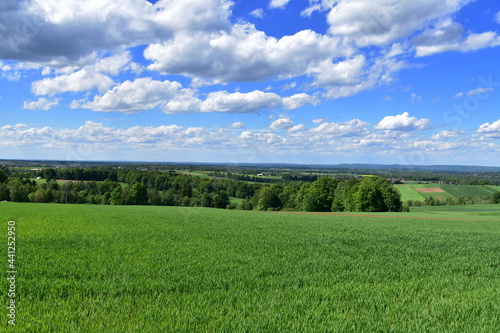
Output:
x=316 y=82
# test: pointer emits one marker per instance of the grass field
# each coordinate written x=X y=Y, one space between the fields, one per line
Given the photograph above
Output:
x=85 y=268
x=411 y=191
x=468 y=211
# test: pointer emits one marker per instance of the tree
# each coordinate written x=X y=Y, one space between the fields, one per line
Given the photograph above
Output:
x=320 y=195
x=221 y=200
x=268 y=199
x=344 y=196
x=287 y=196
x=138 y=194
x=376 y=194
x=496 y=198
x=116 y=196
x=3 y=177
x=49 y=174
x=4 y=192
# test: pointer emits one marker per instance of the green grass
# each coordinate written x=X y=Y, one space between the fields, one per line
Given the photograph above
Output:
x=462 y=210
x=166 y=269
x=235 y=200
x=409 y=193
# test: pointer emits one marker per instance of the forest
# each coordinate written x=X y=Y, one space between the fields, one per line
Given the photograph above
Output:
x=128 y=186
x=239 y=188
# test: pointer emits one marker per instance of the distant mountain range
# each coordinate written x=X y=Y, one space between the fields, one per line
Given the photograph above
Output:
x=358 y=166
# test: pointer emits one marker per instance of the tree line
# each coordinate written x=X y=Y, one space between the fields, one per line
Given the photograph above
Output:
x=109 y=186
x=326 y=194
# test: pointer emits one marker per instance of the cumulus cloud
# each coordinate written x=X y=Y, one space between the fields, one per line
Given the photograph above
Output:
x=382 y=22
x=238 y=125
x=87 y=78
x=296 y=128
x=490 y=130
x=327 y=139
x=402 y=122
x=446 y=135
x=64 y=31
x=299 y=100
x=41 y=104
x=283 y=122
x=350 y=128
x=222 y=101
x=135 y=96
x=243 y=54
x=146 y=93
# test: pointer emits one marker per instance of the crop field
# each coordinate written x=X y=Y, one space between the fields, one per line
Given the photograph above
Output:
x=84 y=268
x=420 y=192
x=468 y=211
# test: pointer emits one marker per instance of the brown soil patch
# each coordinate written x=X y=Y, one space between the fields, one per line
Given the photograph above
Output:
x=429 y=190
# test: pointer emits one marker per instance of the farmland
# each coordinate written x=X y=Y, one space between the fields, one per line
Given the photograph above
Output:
x=85 y=268
x=443 y=191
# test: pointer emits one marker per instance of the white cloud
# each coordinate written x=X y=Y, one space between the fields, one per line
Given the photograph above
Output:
x=414 y=98
x=87 y=78
x=168 y=141
x=243 y=54
x=497 y=18
x=472 y=42
x=222 y=101
x=319 y=120
x=381 y=22
x=477 y=91
x=348 y=72
x=146 y=93
x=238 y=125
x=41 y=104
x=135 y=96
x=281 y=123
x=446 y=135
x=296 y=128
x=258 y=13
x=491 y=131
x=289 y=86
x=278 y=3
x=350 y=128
x=299 y=100
x=402 y=122
x=246 y=135
x=480 y=91
x=65 y=31
x=82 y=80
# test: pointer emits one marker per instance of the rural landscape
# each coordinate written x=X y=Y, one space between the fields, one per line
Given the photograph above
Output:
x=280 y=249
x=250 y=166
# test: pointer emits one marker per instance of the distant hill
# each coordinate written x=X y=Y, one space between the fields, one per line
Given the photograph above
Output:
x=358 y=166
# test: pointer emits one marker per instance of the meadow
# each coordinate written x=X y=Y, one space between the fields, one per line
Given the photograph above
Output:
x=84 y=268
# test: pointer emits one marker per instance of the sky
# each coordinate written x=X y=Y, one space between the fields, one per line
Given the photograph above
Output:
x=251 y=81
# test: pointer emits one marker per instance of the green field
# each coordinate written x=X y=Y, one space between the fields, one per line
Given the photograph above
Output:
x=410 y=192
x=85 y=268
x=462 y=211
